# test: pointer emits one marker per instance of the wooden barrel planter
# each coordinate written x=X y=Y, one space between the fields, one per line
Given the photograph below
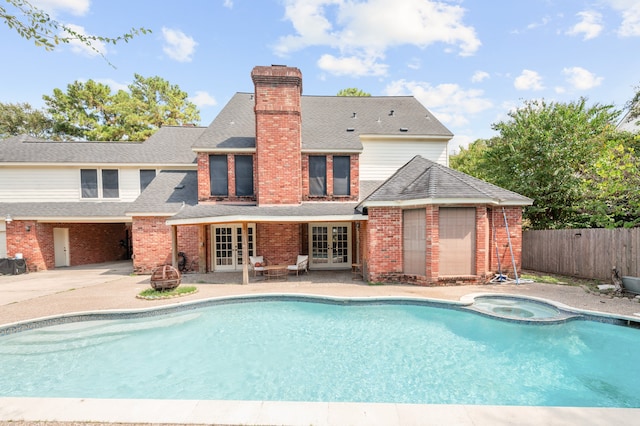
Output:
x=165 y=277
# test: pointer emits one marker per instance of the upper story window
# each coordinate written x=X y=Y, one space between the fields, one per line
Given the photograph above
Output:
x=341 y=175
x=146 y=176
x=244 y=175
x=99 y=185
x=218 y=175
x=317 y=175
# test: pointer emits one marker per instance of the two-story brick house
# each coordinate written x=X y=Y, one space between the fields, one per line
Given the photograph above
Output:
x=342 y=179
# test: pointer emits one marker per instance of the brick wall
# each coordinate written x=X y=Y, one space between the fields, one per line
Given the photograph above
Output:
x=514 y=219
x=204 y=184
x=279 y=243
x=354 y=180
x=278 y=134
x=384 y=248
x=152 y=243
x=88 y=242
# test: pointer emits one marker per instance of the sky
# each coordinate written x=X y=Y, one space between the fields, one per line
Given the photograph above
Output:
x=470 y=62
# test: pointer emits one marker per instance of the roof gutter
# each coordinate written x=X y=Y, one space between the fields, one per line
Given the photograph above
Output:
x=266 y=219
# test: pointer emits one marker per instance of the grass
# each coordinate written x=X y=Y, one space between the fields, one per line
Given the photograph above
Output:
x=543 y=277
x=151 y=293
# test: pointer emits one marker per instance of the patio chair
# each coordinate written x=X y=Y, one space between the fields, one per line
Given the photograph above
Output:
x=302 y=264
x=257 y=263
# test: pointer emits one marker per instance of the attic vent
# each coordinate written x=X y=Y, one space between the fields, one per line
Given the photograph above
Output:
x=404 y=129
x=350 y=129
x=181 y=186
x=354 y=115
x=391 y=113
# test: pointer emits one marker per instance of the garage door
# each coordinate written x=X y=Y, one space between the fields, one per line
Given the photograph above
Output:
x=457 y=228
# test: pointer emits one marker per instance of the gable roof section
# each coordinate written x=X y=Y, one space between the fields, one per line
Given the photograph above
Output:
x=169 y=145
x=422 y=181
x=329 y=123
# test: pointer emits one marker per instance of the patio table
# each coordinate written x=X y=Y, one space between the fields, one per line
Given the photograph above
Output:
x=275 y=271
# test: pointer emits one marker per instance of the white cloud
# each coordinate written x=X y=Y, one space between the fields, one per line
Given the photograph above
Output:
x=114 y=85
x=590 y=25
x=178 y=46
x=228 y=4
x=479 y=76
x=528 y=80
x=75 y=7
x=203 y=99
x=77 y=46
x=414 y=64
x=450 y=103
x=581 y=78
x=630 y=11
x=367 y=29
x=352 y=66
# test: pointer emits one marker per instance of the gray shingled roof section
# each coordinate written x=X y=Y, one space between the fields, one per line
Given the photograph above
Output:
x=326 y=122
x=628 y=124
x=84 y=209
x=234 y=127
x=169 y=145
x=367 y=187
x=424 y=179
x=248 y=211
x=167 y=192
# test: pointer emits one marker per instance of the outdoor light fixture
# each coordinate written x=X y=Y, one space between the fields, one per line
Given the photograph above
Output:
x=8 y=219
x=28 y=228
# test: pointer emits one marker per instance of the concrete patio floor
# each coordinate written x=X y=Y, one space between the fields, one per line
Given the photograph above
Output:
x=111 y=286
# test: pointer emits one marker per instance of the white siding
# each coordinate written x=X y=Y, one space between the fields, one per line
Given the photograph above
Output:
x=39 y=184
x=382 y=158
x=129 y=184
x=46 y=184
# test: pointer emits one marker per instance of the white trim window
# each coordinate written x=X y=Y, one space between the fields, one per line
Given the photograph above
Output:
x=99 y=185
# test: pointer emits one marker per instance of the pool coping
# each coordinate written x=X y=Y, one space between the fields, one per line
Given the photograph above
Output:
x=465 y=303
x=126 y=411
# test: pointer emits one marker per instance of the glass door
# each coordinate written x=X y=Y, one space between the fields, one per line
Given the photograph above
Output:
x=330 y=245
x=227 y=246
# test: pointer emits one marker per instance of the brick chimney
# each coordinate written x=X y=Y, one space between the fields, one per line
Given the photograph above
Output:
x=278 y=90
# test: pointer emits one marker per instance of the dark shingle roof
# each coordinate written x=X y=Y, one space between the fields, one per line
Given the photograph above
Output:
x=421 y=179
x=69 y=211
x=167 y=193
x=275 y=213
x=169 y=145
x=328 y=122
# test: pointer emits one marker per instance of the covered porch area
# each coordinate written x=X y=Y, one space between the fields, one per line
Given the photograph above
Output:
x=278 y=235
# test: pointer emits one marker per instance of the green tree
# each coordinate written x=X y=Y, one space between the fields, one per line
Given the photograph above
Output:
x=612 y=188
x=634 y=106
x=544 y=151
x=352 y=91
x=33 y=23
x=21 y=118
x=91 y=111
x=470 y=160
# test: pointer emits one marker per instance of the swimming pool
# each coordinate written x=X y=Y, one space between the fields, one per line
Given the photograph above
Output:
x=296 y=349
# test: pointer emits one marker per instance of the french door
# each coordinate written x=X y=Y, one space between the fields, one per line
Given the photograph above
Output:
x=330 y=245
x=227 y=246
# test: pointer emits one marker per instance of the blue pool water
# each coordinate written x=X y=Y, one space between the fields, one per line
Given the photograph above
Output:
x=303 y=351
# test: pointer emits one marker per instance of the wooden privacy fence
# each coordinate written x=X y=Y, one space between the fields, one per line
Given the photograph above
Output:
x=586 y=253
